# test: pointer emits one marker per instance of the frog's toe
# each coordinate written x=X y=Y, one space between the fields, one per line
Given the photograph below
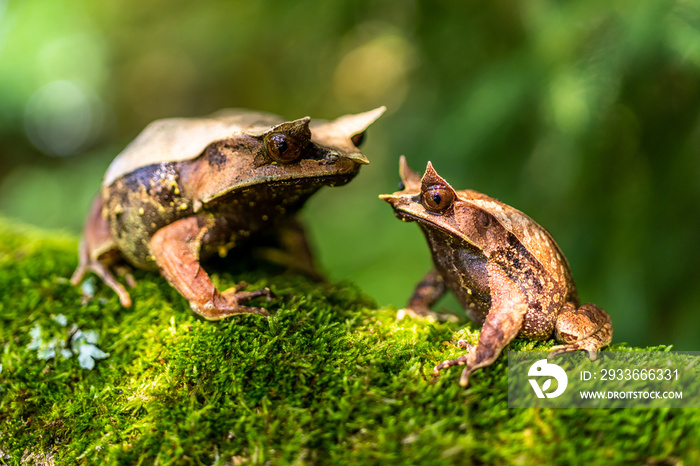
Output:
x=102 y=271
x=240 y=286
x=464 y=344
x=243 y=296
x=124 y=297
x=125 y=272
x=229 y=303
x=211 y=312
x=464 y=378
x=250 y=310
x=460 y=361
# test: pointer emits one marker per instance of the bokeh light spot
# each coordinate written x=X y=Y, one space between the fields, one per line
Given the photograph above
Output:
x=375 y=73
x=569 y=103
x=79 y=57
x=61 y=118
x=161 y=83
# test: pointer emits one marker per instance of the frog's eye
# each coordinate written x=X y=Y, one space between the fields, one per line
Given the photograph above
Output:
x=283 y=148
x=437 y=198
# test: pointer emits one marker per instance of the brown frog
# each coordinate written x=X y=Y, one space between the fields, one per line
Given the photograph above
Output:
x=189 y=188
x=504 y=268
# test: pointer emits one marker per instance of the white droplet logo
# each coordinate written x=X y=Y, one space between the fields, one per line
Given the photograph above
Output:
x=542 y=368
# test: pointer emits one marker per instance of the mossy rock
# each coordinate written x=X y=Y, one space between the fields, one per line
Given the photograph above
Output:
x=328 y=379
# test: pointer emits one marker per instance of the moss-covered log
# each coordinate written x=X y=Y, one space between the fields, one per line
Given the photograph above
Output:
x=327 y=379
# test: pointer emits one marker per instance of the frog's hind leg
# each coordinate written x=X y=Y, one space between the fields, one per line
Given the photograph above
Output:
x=97 y=243
x=587 y=328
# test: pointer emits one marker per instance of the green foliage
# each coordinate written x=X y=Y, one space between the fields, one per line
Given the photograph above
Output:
x=327 y=379
x=584 y=114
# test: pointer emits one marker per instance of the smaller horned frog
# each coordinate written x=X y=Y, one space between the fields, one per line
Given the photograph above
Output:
x=505 y=269
x=189 y=188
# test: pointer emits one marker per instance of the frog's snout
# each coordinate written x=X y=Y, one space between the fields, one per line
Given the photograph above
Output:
x=359 y=158
x=390 y=198
x=397 y=202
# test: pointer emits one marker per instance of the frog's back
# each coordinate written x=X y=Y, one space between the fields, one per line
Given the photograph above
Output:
x=536 y=240
x=179 y=139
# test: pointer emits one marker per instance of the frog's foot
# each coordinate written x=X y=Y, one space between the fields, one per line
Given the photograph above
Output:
x=175 y=249
x=587 y=328
x=478 y=356
x=241 y=296
x=101 y=270
x=464 y=360
x=229 y=302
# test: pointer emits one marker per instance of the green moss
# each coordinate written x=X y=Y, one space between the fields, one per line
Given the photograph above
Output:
x=328 y=379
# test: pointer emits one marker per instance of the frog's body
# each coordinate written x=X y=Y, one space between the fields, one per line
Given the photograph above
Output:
x=186 y=189
x=505 y=269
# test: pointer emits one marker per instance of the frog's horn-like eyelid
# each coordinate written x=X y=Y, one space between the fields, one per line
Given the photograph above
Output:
x=350 y=125
x=410 y=179
x=298 y=128
x=358 y=123
x=371 y=116
x=431 y=178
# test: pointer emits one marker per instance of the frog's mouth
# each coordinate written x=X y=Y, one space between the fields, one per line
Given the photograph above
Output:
x=397 y=202
x=405 y=216
x=320 y=180
x=423 y=221
x=285 y=190
x=302 y=184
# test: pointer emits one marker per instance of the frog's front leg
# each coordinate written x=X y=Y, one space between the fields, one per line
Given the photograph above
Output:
x=502 y=324
x=427 y=293
x=175 y=249
x=587 y=328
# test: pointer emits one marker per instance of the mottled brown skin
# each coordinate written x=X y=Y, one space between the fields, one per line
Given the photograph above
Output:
x=504 y=268
x=167 y=216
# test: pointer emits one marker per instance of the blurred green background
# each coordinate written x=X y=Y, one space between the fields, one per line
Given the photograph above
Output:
x=583 y=114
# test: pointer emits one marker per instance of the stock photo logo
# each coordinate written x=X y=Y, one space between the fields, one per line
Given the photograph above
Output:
x=543 y=369
x=615 y=379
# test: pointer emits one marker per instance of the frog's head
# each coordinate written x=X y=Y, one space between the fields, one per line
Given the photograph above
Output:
x=421 y=199
x=434 y=204
x=450 y=218
x=304 y=154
